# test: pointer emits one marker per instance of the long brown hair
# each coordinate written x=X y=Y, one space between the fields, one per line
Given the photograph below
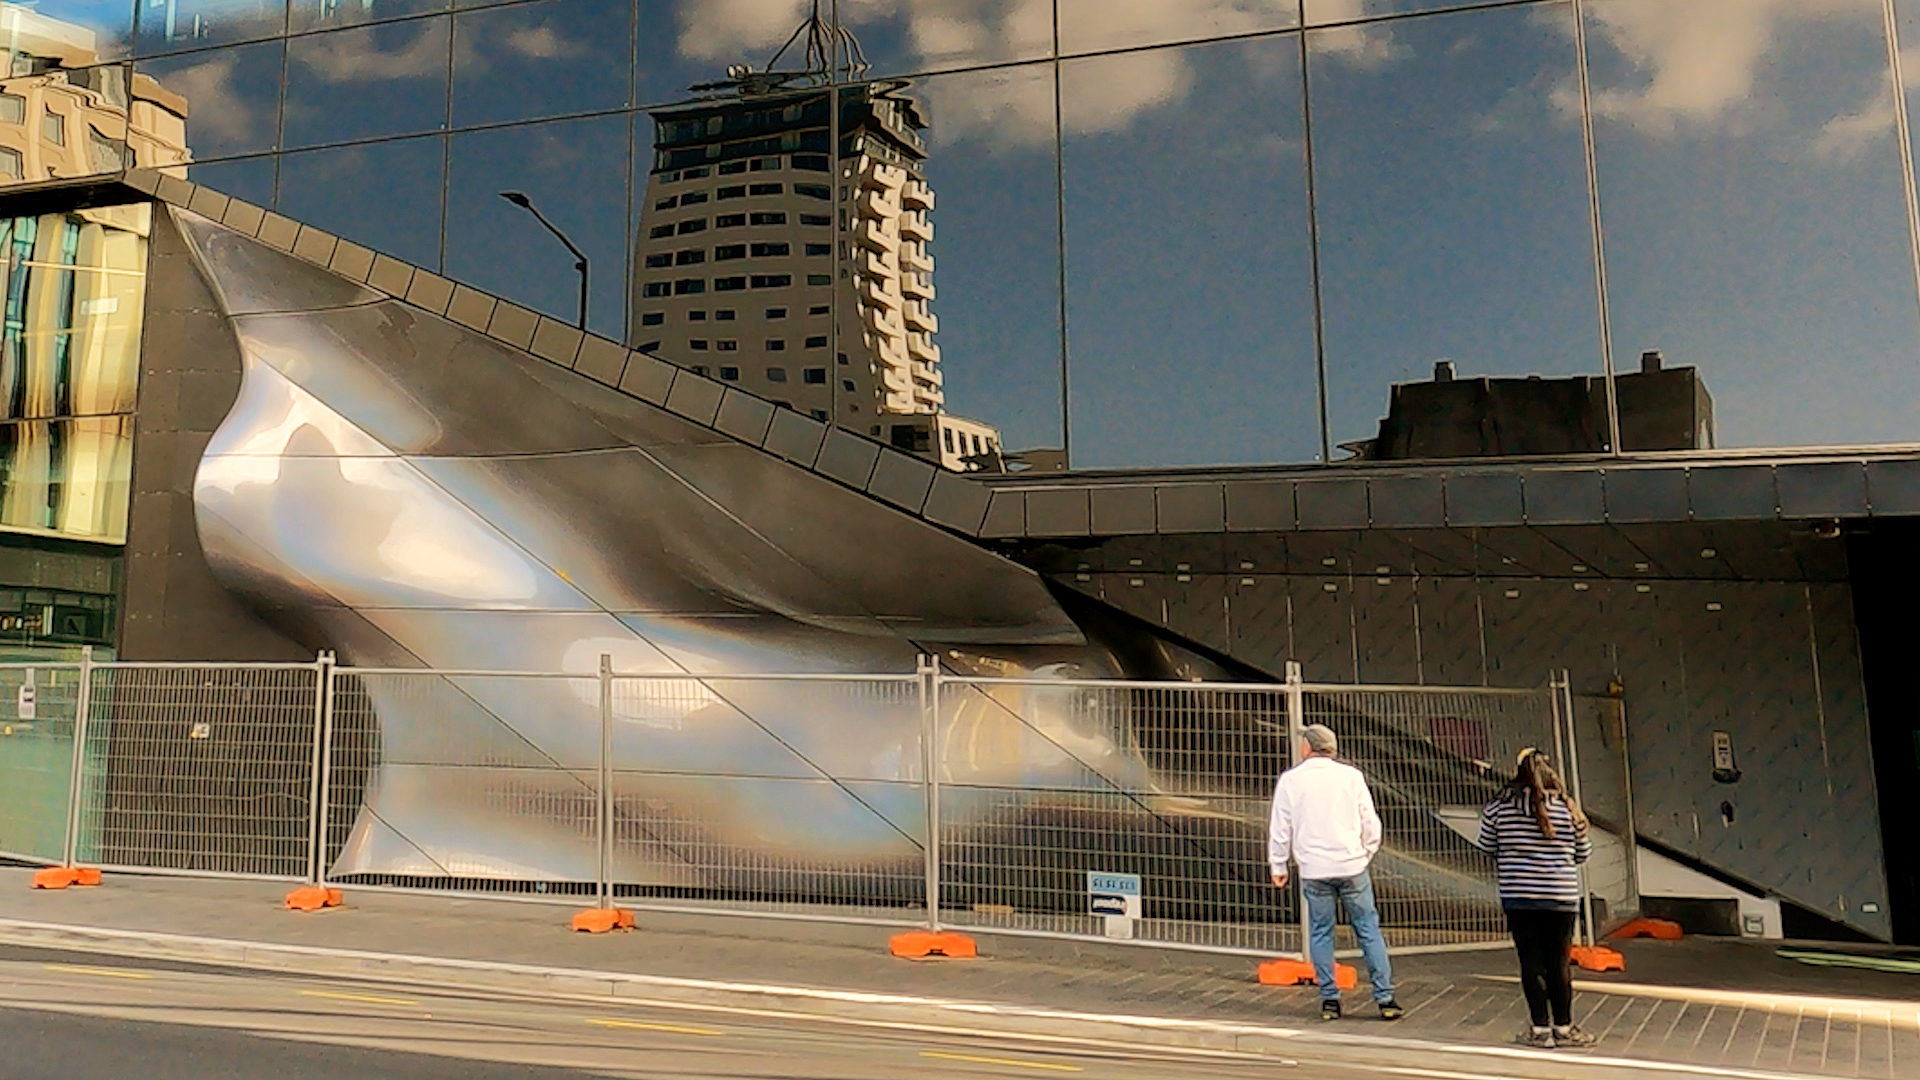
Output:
x=1533 y=781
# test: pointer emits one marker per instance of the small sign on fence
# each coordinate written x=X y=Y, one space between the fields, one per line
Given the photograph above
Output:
x=1116 y=898
x=24 y=702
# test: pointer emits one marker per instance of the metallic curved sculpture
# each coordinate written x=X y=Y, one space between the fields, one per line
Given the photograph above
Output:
x=415 y=495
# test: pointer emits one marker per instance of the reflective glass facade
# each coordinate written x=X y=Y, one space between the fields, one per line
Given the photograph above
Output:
x=1162 y=234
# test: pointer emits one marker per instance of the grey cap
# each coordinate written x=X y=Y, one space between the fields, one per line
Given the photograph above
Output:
x=1320 y=738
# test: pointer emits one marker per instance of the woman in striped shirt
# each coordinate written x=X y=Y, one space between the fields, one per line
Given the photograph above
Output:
x=1538 y=836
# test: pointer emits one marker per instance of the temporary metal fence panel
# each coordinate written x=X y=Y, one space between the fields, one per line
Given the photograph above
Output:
x=202 y=768
x=38 y=704
x=1596 y=755
x=1434 y=757
x=791 y=794
x=1058 y=800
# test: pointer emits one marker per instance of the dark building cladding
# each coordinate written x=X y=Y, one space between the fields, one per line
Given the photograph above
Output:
x=765 y=120
x=1661 y=408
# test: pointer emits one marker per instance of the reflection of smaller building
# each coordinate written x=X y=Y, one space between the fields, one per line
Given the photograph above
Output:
x=64 y=115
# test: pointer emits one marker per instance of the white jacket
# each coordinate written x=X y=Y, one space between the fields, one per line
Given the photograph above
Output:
x=1323 y=818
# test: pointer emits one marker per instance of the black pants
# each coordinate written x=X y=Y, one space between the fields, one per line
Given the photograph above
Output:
x=1542 y=938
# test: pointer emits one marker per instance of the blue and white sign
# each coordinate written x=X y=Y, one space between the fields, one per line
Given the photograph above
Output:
x=1113 y=895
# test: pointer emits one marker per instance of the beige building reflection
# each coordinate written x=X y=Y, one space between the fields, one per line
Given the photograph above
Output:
x=63 y=114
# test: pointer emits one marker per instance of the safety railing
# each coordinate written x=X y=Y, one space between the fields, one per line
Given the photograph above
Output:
x=1132 y=811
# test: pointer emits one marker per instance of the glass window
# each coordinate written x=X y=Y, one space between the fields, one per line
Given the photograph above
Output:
x=667 y=203
x=322 y=14
x=772 y=218
x=947 y=437
x=818 y=250
x=776 y=313
x=1088 y=26
x=574 y=171
x=822 y=220
x=549 y=58
x=1753 y=223
x=664 y=258
x=1190 y=320
x=910 y=36
x=738 y=191
x=766 y=189
x=813 y=191
x=729 y=221
x=693 y=226
x=700 y=370
x=814 y=376
x=653 y=318
x=251 y=179
x=766 y=164
x=819 y=414
x=330 y=189
x=811 y=162
x=655 y=289
x=13 y=109
x=696 y=316
x=776 y=374
x=728 y=284
x=819 y=309
x=227 y=101
x=693 y=198
x=726 y=252
x=53 y=128
x=777 y=345
x=174 y=25
x=772 y=281
x=11 y=165
x=689 y=287
x=729 y=346
x=698 y=344
x=691 y=257
x=726 y=314
x=766 y=251
x=730 y=374
x=819 y=279
x=367 y=82
x=818 y=341
x=659 y=232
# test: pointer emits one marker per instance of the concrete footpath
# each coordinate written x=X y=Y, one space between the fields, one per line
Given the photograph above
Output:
x=1701 y=1007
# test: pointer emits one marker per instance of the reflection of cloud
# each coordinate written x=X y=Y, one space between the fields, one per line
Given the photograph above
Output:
x=1696 y=62
x=218 y=109
x=541 y=43
x=342 y=58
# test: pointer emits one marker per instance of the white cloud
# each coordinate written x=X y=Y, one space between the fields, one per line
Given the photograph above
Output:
x=342 y=58
x=214 y=106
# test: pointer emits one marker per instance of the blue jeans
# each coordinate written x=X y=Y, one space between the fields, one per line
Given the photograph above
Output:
x=1357 y=892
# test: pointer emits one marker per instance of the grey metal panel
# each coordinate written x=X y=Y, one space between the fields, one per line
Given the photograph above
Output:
x=1452 y=652
x=351 y=261
x=144 y=180
x=695 y=398
x=1191 y=508
x=471 y=308
x=1894 y=487
x=1006 y=515
x=430 y=292
x=174 y=190
x=1204 y=553
x=244 y=218
x=744 y=417
x=1122 y=511
x=314 y=245
x=1332 y=504
x=390 y=276
x=1260 y=506
x=847 y=458
x=1197 y=608
x=1259 y=628
x=601 y=360
x=648 y=378
x=1442 y=551
x=1644 y=495
x=208 y=203
x=1412 y=501
x=792 y=436
x=957 y=502
x=1484 y=498
x=1822 y=489
x=250 y=278
x=1732 y=493
x=1058 y=512
x=1386 y=630
x=1322 y=614
x=1564 y=497
x=902 y=480
x=554 y=340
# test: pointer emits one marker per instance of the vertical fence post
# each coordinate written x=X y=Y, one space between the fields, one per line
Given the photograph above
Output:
x=606 y=783
x=929 y=692
x=1564 y=706
x=317 y=779
x=76 y=781
x=1296 y=733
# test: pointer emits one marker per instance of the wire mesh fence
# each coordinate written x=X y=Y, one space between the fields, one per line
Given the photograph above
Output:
x=1073 y=808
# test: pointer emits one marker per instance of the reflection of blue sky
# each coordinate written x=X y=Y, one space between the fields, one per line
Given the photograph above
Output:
x=1750 y=185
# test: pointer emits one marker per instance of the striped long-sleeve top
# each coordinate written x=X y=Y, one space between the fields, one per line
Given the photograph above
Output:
x=1536 y=871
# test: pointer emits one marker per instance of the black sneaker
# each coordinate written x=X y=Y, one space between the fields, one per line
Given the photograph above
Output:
x=1330 y=1009
x=1391 y=1010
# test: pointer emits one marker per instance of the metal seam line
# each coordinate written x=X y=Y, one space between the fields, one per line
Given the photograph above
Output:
x=1903 y=134
x=1313 y=242
x=1060 y=239
x=1599 y=233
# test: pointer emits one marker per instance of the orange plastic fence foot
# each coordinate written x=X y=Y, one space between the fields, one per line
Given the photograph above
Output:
x=59 y=877
x=1597 y=958
x=1285 y=972
x=313 y=898
x=919 y=944
x=601 y=920
x=1657 y=929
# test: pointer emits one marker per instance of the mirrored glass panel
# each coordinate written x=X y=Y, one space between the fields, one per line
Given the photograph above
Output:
x=228 y=98
x=248 y=179
x=1189 y=277
x=174 y=25
x=74 y=290
x=1454 y=224
x=322 y=14
x=59 y=123
x=1755 y=214
x=574 y=173
x=1338 y=12
x=74 y=33
x=1088 y=26
x=548 y=58
x=384 y=195
x=371 y=81
x=908 y=37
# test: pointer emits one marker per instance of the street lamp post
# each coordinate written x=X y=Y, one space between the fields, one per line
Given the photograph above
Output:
x=579 y=259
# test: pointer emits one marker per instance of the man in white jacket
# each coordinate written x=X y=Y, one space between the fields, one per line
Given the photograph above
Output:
x=1324 y=820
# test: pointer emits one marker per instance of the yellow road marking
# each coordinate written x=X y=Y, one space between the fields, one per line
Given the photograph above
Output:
x=641 y=1025
x=105 y=973
x=944 y=1056
x=369 y=999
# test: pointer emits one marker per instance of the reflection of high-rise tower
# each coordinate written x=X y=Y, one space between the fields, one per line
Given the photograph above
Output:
x=741 y=272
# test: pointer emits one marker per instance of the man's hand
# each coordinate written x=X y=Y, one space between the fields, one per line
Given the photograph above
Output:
x=1279 y=881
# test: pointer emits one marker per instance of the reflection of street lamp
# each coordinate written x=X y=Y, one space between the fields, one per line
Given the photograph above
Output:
x=579 y=260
